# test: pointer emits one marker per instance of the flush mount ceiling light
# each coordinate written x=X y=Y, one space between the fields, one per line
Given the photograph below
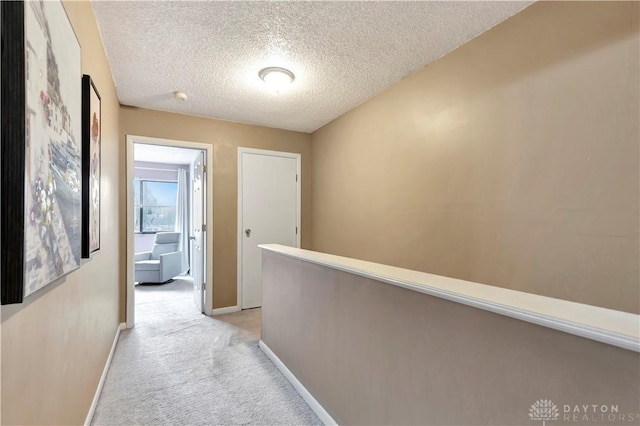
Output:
x=276 y=78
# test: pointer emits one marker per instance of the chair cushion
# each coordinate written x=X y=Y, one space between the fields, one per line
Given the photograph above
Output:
x=167 y=237
x=147 y=265
x=166 y=242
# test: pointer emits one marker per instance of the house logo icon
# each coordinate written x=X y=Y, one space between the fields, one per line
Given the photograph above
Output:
x=543 y=409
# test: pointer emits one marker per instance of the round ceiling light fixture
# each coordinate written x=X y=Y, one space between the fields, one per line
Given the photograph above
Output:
x=276 y=78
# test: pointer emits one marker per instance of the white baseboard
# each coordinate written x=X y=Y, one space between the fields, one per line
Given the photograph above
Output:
x=96 y=397
x=299 y=387
x=226 y=310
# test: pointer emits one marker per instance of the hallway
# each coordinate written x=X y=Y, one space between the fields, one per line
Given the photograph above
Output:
x=177 y=366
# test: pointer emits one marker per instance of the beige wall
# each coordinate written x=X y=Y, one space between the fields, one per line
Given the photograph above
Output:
x=225 y=137
x=511 y=161
x=383 y=355
x=55 y=344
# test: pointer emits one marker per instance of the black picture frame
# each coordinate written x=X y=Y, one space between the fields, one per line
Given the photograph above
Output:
x=91 y=166
x=12 y=152
x=40 y=147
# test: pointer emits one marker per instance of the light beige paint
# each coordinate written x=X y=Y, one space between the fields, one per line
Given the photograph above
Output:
x=55 y=344
x=511 y=161
x=225 y=137
x=373 y=353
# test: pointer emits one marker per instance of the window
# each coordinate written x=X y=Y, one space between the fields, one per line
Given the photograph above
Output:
x=155 y=204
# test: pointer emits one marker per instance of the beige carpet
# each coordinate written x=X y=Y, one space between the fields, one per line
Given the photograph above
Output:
x=177 y=366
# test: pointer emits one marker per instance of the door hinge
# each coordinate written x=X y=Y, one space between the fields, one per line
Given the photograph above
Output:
x=204 y=168
x=204 y=227
x=296 y=230
x=296 y=178
x=204 y=287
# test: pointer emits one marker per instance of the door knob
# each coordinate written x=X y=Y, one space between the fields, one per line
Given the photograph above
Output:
x=247 y=232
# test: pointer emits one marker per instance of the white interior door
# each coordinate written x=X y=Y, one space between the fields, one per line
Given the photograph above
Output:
x=198 y=231
x=269 y=198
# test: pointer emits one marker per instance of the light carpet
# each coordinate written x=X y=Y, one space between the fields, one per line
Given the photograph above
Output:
x=177 y=366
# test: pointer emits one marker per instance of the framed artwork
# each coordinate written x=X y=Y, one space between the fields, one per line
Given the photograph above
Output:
x=41 y=149
x=91 y=140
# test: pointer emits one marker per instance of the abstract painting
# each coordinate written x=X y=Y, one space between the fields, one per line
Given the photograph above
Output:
x=91 y=134
x=45 y=167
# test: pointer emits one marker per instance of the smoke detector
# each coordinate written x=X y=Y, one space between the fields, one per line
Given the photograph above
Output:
x=180 y=96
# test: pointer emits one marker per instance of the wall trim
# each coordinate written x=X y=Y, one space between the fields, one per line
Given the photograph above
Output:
x=322 y=414
x=96 y=397
x=225 y=310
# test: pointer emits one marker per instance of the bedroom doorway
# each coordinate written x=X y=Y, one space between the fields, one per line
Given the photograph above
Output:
x=168 y=208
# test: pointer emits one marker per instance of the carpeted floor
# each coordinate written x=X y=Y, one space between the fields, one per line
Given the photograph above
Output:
x=179 y=367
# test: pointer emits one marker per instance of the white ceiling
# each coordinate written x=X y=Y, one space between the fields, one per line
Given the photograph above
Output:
x=342 y=53
x=163 y=154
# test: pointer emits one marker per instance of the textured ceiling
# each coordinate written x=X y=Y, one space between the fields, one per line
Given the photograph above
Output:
x=342 y=53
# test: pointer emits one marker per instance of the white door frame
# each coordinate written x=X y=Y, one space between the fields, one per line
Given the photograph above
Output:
x=208 y=149
x=295 y=156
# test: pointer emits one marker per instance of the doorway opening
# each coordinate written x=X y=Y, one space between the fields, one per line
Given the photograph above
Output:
x=168 y=245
